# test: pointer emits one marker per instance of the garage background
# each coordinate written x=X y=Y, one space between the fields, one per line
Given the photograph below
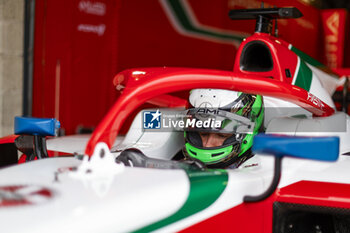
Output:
x=58 y=58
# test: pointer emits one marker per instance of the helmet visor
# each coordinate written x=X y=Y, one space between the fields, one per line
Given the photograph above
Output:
x=216 y=121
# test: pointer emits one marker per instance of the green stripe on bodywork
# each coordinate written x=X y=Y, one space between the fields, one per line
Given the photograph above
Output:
x=183 y=19
x=314 y=62
x=307 y=58
x=205 y=189
x=304 y=76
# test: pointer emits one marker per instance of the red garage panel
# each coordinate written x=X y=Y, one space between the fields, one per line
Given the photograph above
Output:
x=80 y=45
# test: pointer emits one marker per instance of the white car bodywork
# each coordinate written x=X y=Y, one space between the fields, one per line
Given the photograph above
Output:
x=132 y=198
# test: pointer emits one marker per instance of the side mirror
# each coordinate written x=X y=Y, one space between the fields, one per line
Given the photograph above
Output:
x=314 y=148
x=33 y=131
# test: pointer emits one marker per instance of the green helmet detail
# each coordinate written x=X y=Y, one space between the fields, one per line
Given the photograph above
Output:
x=207 y=155
x=258 y=116
x=235 y=149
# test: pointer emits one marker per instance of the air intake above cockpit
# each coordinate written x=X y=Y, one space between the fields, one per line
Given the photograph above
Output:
x=256 y=57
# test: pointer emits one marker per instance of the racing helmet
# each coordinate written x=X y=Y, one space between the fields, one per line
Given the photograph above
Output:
x=237 y=114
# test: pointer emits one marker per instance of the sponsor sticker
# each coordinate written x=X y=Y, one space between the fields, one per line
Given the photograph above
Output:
x=96 y=29
x=93 y=8
x=315 y=100
x=23 y=195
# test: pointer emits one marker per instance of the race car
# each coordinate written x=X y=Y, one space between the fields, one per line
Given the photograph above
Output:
x=298 y=180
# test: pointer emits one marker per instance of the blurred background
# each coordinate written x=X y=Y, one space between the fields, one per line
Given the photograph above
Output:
x=58 y=57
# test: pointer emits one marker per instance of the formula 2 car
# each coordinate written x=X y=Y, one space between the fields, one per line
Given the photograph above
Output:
x=303 y=186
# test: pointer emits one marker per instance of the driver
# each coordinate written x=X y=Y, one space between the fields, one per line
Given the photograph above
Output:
x=228 y=146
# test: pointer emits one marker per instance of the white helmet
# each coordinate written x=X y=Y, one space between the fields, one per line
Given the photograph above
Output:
x=234 y=109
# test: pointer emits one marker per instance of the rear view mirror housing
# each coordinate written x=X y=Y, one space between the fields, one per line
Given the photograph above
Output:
x=314 y=148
